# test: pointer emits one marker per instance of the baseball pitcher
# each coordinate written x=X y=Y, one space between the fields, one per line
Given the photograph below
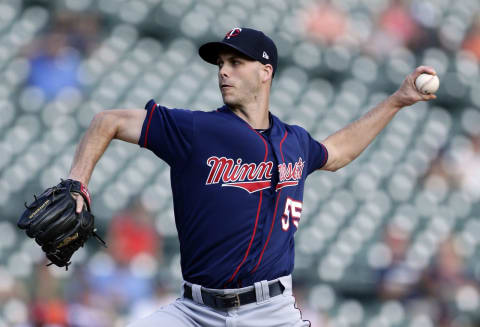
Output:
x=237 y=175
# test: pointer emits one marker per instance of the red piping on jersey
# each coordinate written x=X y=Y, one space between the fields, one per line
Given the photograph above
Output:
x=148 y=124
x=256 y=219
x=281 y=143
x=269 y=233
x=274 y=211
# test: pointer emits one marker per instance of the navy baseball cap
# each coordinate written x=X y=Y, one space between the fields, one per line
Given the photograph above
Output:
x=252 y=43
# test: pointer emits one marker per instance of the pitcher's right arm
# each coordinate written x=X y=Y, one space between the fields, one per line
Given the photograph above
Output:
x=122 y=124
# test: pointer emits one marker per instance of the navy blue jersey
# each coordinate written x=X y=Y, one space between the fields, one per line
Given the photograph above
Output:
x=237 y=192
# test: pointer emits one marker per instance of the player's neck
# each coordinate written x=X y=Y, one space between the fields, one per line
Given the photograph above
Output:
x=255 y=110
x=254 y=114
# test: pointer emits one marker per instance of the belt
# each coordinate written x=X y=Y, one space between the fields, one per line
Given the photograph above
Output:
x=226 y=301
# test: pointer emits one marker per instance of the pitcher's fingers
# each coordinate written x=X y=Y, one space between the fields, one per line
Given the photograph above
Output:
x=424 y=69
x=428 y=97
x=80 y=203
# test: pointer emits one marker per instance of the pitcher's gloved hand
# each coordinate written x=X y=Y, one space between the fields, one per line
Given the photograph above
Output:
x=52 y=221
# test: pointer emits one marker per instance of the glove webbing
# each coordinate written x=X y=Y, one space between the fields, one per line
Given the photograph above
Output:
x=97 y=237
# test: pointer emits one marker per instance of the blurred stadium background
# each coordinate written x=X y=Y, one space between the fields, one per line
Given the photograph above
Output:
x=391 y=240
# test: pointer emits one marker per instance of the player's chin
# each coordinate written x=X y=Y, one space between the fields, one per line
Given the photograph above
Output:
x=229 y=100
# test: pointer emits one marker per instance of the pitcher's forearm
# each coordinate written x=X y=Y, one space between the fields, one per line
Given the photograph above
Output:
x=92 y=146
x=353 y=139
x=349 y=142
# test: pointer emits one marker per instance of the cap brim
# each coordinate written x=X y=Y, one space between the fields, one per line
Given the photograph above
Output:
x=209 y=51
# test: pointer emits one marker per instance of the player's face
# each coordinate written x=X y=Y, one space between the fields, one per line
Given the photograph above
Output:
x=239 y=78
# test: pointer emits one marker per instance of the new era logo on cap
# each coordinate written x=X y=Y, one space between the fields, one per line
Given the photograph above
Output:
x=252 y=43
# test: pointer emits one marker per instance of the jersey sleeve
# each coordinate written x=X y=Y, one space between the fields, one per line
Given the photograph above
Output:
x=317 y=153
x=168 y=133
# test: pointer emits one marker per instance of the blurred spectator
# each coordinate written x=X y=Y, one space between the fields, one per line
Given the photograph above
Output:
x=325 y=22
x=395 y=28
x=48 y=307
x=397 y=23
x=53 y=66
x=459 y=164
x=163 y=296
x=86 y=307
x=397 y=280
x=467 y=168
x=50 y=312
x=56 y=57
x=135 y=250
x=92 y=310
x=445 y=280
x=83 y=29
x=131 y=233
x=472 y=40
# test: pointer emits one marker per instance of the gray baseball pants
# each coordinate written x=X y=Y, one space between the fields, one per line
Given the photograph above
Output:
x=268 y=311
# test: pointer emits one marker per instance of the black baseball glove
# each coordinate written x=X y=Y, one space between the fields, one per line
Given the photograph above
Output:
x=52 y=221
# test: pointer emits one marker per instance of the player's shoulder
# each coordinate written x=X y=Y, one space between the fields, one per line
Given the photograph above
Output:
x=291 y=128
x=221 y=114
x=194 y=111
x=209 y=111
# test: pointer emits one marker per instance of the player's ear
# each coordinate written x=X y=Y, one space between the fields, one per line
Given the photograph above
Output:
x=267 y=72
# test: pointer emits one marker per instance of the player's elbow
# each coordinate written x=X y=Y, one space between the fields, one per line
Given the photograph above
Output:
x=121 y=124
x=101 y=120
x=340 y=161
x=105 y=123
x=337 y=159
x=332 y=166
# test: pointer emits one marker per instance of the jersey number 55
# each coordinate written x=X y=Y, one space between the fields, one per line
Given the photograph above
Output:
x=293 y=210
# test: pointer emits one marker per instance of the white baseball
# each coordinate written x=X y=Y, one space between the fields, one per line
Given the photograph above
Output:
x=427 y=84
